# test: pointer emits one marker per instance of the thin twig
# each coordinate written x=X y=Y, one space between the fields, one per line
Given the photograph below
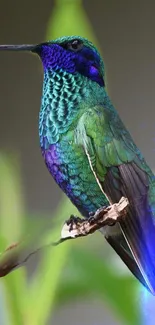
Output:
x=16 y=255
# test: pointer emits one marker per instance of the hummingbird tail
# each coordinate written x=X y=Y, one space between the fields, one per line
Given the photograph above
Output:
x=121 y=247
x=135 y=238
x=141 y=242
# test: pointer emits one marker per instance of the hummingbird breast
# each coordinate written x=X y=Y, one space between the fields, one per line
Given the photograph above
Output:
x=65 y=97
x=69 y=167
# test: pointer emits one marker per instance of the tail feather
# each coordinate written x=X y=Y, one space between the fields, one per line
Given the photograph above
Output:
x=121 y=247
x=137 y=228
x=141 y=248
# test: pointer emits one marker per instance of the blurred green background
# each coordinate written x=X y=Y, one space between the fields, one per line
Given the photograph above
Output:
x=81 y=282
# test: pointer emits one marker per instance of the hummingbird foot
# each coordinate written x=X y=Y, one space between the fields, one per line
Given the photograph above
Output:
x=114 y=216
x=95 y=217
x=73 y=221
x=104 y=216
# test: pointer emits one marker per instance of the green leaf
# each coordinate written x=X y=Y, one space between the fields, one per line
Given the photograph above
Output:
x=15 y=293
x=11 y=223
x=45 y=282
x=11 y=198
x=70 y=18
x=120 y=292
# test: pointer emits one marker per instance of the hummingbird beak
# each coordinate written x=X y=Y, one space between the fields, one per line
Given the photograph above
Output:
x=23 y=47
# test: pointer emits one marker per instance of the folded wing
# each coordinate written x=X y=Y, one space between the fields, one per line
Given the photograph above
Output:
x=120 y=170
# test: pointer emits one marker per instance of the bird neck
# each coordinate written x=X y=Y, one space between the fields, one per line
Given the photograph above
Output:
x=65 y=97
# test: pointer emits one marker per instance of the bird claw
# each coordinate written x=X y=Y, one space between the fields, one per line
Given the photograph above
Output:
x=97 y=217
x=94 y=218
x=91 y=214
x=91 y=220
x=73 y=221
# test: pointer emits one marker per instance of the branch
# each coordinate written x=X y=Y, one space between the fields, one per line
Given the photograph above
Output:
x=16 y=255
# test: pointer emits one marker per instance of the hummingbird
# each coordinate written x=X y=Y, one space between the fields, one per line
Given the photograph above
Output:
x=89 y=151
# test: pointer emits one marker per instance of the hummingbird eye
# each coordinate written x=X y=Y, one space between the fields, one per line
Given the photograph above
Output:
x=75 y=45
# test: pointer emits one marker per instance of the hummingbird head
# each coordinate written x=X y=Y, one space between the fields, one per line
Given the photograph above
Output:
x=72 y=54
x=73 y=81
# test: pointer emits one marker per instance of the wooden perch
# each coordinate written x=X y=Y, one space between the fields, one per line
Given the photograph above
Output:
x=16 y=255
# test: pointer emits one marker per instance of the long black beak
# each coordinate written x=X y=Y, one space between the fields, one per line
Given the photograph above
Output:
x=23 y=47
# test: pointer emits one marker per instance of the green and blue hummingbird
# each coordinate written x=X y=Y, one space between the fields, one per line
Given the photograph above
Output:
x=90 y=153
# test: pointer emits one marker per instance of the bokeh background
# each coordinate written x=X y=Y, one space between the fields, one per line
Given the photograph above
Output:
x=124 y=32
